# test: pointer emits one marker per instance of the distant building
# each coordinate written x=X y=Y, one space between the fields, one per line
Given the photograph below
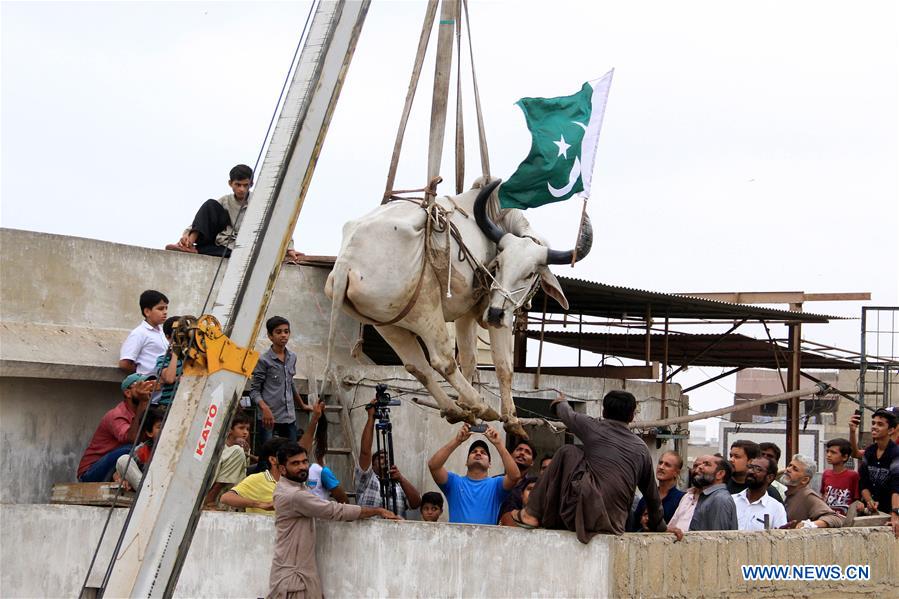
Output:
x=832 y=411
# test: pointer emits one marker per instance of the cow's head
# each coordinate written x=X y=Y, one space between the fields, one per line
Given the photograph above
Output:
x=522 y=262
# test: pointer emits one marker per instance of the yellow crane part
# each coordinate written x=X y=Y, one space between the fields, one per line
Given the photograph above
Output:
x=205 y=349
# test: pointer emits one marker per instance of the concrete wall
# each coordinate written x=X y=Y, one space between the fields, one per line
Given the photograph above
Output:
x=66 y=306
x=45 y=552
x=68 y=301
x=62 y=328
x=45 y=425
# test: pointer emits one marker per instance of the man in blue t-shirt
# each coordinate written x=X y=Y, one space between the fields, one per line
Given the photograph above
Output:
x=474 y=498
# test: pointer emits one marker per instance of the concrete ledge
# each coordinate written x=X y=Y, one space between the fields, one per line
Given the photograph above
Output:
x=709 y=563
x=231 y=553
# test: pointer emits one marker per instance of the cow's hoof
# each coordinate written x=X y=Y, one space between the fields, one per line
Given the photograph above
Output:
x=513 y=427
x=486 y=413
x=458 y=414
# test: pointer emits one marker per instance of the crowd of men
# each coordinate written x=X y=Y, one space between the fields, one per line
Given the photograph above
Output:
x=588 y=489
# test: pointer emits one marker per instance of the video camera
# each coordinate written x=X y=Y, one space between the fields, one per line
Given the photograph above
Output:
x=383 y=399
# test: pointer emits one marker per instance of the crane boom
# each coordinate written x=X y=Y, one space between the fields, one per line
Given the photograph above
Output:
x=159 y=532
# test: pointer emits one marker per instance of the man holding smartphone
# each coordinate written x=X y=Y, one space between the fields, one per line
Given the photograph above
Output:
x=476 y=497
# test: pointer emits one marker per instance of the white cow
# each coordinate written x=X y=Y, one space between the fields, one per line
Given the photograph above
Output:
x=383 y=277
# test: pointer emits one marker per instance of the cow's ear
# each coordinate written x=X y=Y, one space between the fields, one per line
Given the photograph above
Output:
x=551 y=286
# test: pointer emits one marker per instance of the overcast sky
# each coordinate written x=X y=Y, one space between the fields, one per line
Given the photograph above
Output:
x=747 y=146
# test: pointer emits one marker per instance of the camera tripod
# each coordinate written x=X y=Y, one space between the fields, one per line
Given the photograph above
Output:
x=384 y=446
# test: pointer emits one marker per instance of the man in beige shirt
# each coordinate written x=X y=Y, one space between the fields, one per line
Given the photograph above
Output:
x=805 y=507
x=294 y=573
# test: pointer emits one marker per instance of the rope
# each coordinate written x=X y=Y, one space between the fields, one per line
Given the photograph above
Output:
x=443 y=66
x=439 y=221
x=426 y=27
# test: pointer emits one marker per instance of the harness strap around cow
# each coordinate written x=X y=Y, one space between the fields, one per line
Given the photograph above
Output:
x=404 y=311
x=439 y=220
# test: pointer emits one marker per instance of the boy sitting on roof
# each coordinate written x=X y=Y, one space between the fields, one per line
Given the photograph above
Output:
x=214 y=228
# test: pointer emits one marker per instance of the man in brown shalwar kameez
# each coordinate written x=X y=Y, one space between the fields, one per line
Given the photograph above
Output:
x=294 y=573
x=590 y=491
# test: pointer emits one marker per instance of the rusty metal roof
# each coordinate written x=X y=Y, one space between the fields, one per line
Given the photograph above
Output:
x=591 y=298
x=734 y=350
x=611 y=301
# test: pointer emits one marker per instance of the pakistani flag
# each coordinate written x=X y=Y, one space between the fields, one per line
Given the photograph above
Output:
x=564 y=133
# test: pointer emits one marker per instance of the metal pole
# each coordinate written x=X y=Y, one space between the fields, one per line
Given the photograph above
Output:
x=167 y=510
x=724 y=374
x=819 y=390
x=863 y=369
x=707 y=348
x=580 y=337
x=520 y=350
x=647 y=342
x=662 y=408
x=792 y=385
x=540 y=350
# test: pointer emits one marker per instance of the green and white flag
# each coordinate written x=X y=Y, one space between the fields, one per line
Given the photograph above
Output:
x=564 y=133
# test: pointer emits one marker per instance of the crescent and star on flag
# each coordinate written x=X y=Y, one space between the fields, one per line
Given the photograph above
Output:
x=575 y=173
x=564 y=135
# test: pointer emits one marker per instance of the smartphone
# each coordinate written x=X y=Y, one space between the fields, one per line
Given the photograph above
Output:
x=858 y=412
x=478 y=428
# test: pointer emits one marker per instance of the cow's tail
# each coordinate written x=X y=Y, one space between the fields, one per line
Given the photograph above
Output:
x=339 y=283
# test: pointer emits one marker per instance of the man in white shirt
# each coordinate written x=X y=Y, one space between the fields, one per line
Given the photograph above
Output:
x=147 y=341
x=754 y=505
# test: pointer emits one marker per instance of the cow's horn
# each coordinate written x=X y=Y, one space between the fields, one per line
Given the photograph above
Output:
x=584 y=243
x=488 y=227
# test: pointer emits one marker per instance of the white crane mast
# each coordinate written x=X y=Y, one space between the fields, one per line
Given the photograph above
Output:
x=159 y=532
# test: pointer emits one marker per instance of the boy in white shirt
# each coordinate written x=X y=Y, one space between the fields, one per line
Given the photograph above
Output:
x=147 y=341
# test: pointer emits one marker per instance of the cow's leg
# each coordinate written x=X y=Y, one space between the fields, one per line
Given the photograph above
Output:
x=467 y=342
x=405 y=344
x=501 y=341
x=440 y=349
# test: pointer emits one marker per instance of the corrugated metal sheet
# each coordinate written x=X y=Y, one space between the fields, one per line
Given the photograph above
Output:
x=611 y=301
x=732 y=351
